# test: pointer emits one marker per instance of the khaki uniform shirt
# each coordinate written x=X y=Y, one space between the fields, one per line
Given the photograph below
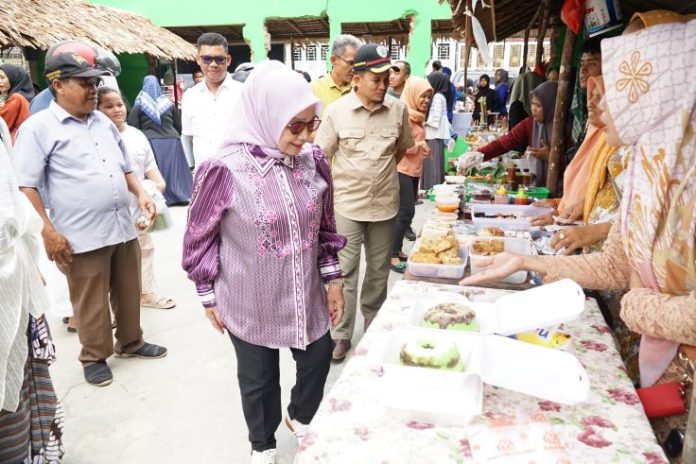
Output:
x=362 y=146
x=328 y=92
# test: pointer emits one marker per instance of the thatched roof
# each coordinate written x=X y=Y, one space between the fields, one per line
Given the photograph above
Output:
x=512 y=16
x=41 y=23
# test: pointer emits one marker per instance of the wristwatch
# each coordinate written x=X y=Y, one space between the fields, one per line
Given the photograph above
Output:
x=336 y=283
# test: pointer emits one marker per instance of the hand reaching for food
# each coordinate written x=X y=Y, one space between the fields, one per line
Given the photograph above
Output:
x=467 y=161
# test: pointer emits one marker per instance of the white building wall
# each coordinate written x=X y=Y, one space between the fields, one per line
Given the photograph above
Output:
x=449 y=52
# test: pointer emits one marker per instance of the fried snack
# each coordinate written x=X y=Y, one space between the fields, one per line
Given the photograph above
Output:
x=488 y=247
x=428 y=258
x=426 y=247
x=492 y=232
x=451 y=253
x=442 y=245
x=451 y=260
x=439 y=250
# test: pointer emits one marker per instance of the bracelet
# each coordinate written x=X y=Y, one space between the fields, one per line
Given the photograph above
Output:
x=336 y=283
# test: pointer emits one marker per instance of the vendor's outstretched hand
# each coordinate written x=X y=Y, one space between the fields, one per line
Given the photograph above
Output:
x=573 y=239
x=546 y=203
x=543 y=219
x=496 y=268
x=467 y=161
x=574 y=212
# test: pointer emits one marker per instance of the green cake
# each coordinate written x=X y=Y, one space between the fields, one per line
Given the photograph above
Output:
x=451 y=316
x=431 y=353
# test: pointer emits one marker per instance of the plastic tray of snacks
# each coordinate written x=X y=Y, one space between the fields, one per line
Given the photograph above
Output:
x=520 y=246
x=452 y=392
x=518 y=215
x=455 y=179
x=441 y=271
x=432 y=229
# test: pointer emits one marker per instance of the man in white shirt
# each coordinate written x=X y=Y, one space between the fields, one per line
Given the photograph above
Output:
x=207 y=106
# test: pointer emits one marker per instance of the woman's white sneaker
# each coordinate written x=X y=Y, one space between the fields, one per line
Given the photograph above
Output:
x=263 y=457
x=297 y=428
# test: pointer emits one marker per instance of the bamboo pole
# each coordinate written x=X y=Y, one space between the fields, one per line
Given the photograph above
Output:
x=559 y=115
x=541 y=33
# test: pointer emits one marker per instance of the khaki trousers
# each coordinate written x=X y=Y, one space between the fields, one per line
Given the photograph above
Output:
x=377 y=237
x=147 y=264
x=95 y=279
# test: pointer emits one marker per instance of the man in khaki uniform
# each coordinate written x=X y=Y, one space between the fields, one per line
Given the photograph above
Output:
x=365 y=135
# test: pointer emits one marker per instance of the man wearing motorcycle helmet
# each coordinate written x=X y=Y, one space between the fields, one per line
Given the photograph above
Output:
x=78 y=155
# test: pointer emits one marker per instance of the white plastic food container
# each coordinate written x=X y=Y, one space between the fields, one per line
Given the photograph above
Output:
x=520 y=246
x=513 y=313
x=522 y=214
x=453 y=398
x=441 y=271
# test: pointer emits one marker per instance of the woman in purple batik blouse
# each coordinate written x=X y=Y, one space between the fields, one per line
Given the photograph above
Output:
x=261 y=245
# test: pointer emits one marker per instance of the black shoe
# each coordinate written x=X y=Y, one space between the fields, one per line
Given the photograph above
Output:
x=147 y=351
x=410 y=235
x=98 y=374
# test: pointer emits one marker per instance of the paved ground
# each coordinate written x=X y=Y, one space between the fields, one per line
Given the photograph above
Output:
x=184 y=408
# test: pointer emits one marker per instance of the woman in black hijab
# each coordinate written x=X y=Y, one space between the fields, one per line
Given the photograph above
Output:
x=20 y=82
x=484 y=91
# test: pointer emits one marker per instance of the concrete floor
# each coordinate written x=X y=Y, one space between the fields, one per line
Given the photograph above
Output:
x=184 y=408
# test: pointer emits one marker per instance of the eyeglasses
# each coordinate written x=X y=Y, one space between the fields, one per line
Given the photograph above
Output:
x=207 y=59
x=296 y=127
x=85 y=83
x=348 y=62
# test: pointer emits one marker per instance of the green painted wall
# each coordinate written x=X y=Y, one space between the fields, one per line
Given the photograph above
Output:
x=252 y=14
x=134 y=68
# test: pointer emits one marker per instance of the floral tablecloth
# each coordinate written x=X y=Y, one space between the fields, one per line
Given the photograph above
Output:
x=352 y=426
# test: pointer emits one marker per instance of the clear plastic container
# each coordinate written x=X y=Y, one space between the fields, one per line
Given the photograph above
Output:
x=440 y=271
x=521 y=246
x=521 y=213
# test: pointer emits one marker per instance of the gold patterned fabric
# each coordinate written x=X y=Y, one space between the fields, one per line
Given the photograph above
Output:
x=651 y=96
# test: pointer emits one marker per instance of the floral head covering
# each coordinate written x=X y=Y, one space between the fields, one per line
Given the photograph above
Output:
x=651 y=96
x=152 y=100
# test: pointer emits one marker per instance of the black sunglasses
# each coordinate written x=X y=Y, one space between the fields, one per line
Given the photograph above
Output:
x=297 y=127
x=207 y=59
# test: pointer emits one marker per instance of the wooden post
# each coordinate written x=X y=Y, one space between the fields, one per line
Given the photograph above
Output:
x=541 y=33
x=559 y=115
x=495 y=34
x=467 y=47
x=525 y=50
x=292 y=53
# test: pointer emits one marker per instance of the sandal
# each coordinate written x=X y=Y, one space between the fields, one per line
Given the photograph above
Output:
x=160 y=303
x=400 y=268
